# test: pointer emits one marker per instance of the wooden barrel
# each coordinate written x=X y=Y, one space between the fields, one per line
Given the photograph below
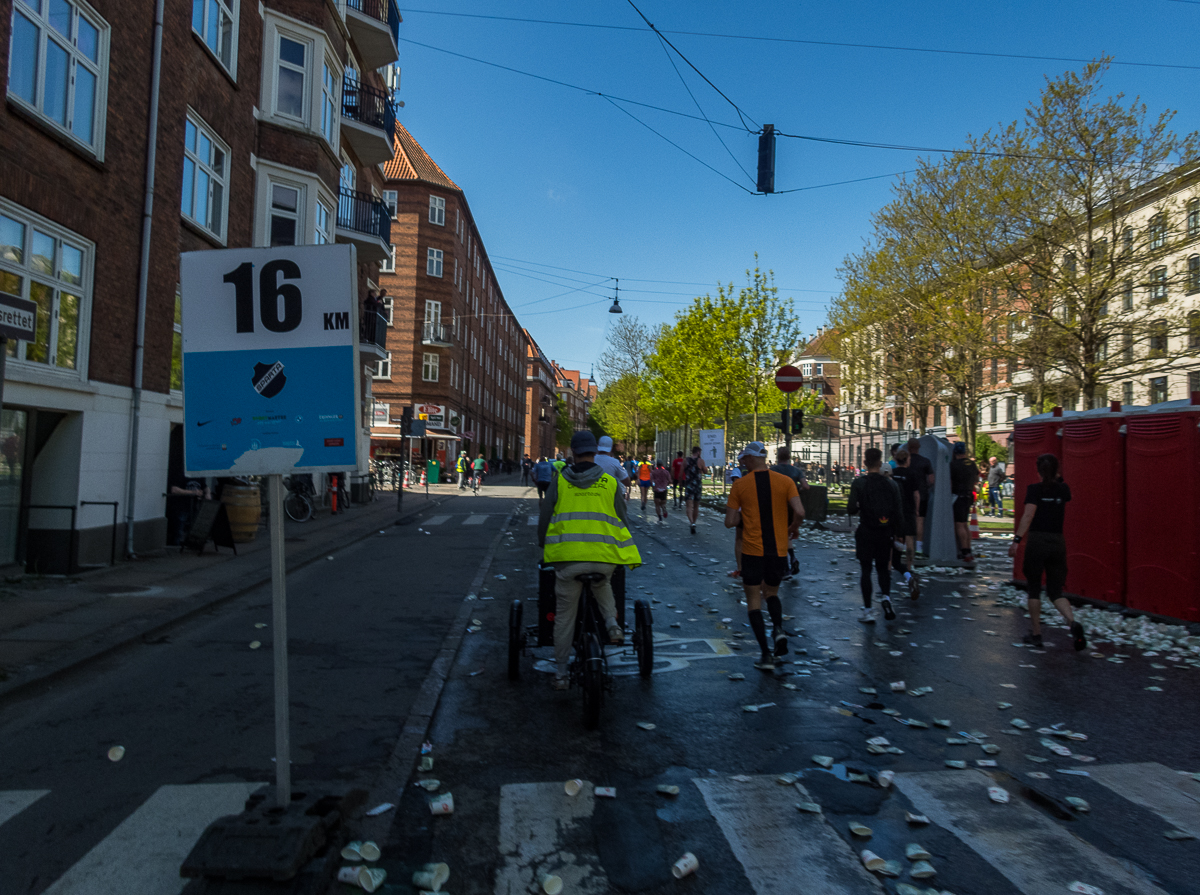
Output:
x=244 y=507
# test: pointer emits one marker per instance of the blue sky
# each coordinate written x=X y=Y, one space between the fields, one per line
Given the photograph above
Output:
x=566 y=187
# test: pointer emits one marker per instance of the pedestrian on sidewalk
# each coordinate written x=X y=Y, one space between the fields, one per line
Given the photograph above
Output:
x=693 y=485
x=526 y=469
x=677 y=477
x=543 y=472
x=1046 y=551
x=923 y=469
x=996 y=474
x=910 y=500
x=784 y=466
x=660 y=482
x=760 y=501
x=964 y=476
x=877 y=501
x=582 y=529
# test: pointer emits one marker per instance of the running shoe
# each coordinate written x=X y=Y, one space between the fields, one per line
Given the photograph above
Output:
x=693 y=529
x=766 y=663
x=866 y=615
x=1077 y=637
x=560 y=683
x=795 y=569
x=1034 y=640
x=615 y=635
x=781 y=644
x=914 y=586
x=888 y=612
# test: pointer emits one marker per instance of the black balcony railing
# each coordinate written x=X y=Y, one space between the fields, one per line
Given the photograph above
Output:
x=368 y=106
x=374 y=330
x=384 y=11
x=364 y=213
x=436 y=333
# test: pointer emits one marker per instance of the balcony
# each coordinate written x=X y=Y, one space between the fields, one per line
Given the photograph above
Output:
x=374 y=27
x=436 y=335
x=365 y=222
x=368 y=122
x=372 y=338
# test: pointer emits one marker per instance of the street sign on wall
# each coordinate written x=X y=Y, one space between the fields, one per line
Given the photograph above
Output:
x=270 y=338
x=712 y=446
x=18 y=318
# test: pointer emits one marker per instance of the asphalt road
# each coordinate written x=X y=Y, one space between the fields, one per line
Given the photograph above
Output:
x=194 y=710
x=194 y=714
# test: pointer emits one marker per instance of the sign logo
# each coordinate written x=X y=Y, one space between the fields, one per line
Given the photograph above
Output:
x=334 y=442
x=203 y=422
x=268 y=379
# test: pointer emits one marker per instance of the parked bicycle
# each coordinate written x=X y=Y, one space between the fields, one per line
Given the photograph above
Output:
x=298 y=503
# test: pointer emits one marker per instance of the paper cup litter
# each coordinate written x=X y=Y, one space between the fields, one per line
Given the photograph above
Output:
x=872 y=861
x=922 y=870
x=551 y=884
x=431 y=877
x=366 y=878
x=116 y=753
x=685 y=865
x=443 y=804
x=572 y=787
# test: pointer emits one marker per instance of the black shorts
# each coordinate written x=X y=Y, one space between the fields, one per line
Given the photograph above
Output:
x=660 y=495
x=691 y=492
x=962 y=507
x=542 y=487
x=923 y=506
x=768 y=570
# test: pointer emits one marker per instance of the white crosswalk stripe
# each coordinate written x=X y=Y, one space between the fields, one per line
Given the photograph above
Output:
x=144 y=852
x=532 y=520
x=1035 y=854
x=475 y=520
x=1172 y=796
x=13 y=802
x=436 y=520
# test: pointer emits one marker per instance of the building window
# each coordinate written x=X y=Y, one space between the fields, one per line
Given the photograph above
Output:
x=1158 y=285
x=1157 y=231
x=1193 y=329
x=993 y=409
x=1193 y=382
x=52 y=267
x=205 y=177
x=215 y=21
x=429 y=366
x=389 y=199
x=177 y=346
x=291 y=57
x=1193 y=218
x=1127 y=240
x=321 y=226
x=388 y=308
x=819 y=369
x=1193 y=274
x=383 y=368
x=937 y=414
x=285 y=214
x=437 y=211
x=1127 y=296
x=995 y=370
x=1127 y=347
x=1158 y=389
x=1010 y=410
x=433 y=262
x=806 y=369
x=1127 y=394
x=388 y=264
x=58 y=67
x=329 y=103
x=1158 y=338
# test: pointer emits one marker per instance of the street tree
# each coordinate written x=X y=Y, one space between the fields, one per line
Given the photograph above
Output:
x=623 y=369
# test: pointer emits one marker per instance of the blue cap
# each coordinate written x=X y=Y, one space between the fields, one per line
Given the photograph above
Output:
x=960 y=447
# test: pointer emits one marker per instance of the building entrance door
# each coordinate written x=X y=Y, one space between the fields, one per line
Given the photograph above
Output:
x=13 y=426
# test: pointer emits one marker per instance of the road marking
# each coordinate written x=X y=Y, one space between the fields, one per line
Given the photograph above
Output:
x=475 y=520
x=531 y=520
x=543 y=830
x=436 y=520
x=14 y=801
x=1035 y=854
x=778 y=845
x=143 y=854
x=1171 y=796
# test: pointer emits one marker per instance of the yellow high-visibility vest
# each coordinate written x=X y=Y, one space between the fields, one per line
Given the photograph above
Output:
x=586 y=528
x=558 y=465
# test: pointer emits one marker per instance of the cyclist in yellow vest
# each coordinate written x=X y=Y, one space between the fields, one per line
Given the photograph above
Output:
x=582 y=528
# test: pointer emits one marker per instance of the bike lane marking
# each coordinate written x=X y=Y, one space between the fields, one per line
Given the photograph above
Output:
x=543 y=830
x=13 y=802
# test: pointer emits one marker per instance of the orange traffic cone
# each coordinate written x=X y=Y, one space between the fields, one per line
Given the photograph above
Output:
x=974 y=524
x=423 y=480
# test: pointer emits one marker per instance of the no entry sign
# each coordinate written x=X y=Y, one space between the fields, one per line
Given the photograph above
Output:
x=788 y=379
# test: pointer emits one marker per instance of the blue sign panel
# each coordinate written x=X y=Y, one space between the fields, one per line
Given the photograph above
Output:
x=269 y=360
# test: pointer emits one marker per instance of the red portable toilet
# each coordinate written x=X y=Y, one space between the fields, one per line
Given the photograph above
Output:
x=1162 y=510
x=1093 y=465
x=1041 y=434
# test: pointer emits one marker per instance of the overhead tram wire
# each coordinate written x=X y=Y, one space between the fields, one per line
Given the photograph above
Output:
x=818 y=43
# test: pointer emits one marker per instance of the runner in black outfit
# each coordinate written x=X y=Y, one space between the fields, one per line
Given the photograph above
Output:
x=878 y=499
x=1046 y=550
x=910 y=500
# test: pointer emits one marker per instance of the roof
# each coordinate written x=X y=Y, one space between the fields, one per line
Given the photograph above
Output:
x=412 y=162
x=819 y=345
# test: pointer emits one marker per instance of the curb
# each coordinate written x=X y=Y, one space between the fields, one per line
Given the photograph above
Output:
x=16 y=687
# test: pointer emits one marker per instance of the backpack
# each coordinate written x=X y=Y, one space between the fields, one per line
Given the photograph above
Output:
x=878 y=504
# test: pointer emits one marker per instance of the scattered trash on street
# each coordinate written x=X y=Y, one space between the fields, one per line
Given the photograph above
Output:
x=116 y=753
x=685 y=865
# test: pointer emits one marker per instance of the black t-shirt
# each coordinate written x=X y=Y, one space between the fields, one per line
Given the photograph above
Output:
x=1051 y=502
x=963 y=475
x=922 y=469
x=906 y=481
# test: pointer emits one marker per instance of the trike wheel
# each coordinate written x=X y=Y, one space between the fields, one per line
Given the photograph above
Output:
x=515 y=638
x=593 y=682
x=643 y=638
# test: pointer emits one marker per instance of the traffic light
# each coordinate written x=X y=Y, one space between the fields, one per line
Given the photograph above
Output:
x=766 y=159
x=797 y=421
x=782 y=425
x=406 y=421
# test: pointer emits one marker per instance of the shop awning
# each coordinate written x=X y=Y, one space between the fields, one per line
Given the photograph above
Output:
x=435 y=434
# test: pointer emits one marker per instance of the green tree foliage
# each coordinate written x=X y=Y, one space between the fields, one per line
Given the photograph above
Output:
x=563 y=429
x=621 y=405
x=986 y=447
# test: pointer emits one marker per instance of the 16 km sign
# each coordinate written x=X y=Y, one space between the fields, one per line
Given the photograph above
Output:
x=269 y=345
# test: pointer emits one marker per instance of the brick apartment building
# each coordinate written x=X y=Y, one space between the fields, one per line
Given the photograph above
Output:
x=455 y=351
x=540 y=407
x=577 y=393
x=271 y=121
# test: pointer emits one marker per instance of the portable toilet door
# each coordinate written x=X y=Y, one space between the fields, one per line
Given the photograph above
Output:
x=1041 y=434
x=1093 y=465
x=1162 y=512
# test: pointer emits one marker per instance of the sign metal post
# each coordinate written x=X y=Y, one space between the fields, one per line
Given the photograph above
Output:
x=788 y=379
x=283 y=744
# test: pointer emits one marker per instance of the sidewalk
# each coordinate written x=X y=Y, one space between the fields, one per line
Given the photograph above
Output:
x=51 y=625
